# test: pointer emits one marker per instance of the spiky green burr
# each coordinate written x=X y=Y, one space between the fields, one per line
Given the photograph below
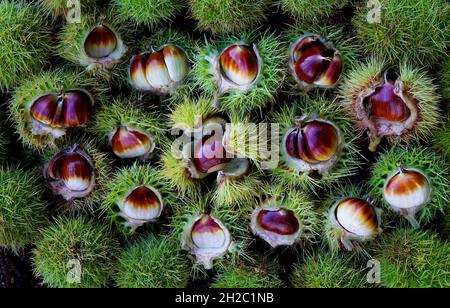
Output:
x=65 y=8
x=348 y=160
x=228 y=16
x=148 y=13
x=312 y=10
x=327 y=270
x=186 y=116
x=416 y=30
x=444 y=79
x=425 y=160
x=440 y=142
x=45 y=83
x=24 y=42
x=247 y=276
x=124 y=181
x=22 y=207
x=75 y=252
x=413 y=259
x=263 y=89
x=152 y=262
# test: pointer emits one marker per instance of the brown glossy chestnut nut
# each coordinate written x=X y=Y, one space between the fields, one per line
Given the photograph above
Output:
x=70 y=173
x=356 y=219
x=313 y=144
x=141 y=205
x=406 y=191
x=315 y=62
x=206 y=238
x=386 y=109
x=128 y=142
x=54 y=113
x=276 y=225
x=159 y=71
x=238 y=67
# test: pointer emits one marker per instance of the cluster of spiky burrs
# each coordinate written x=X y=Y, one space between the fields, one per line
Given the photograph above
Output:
x=212 y=155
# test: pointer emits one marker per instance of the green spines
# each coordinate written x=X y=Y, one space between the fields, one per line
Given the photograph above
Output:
x=416 y=30
x=348 y=160
x=239 y=191
x=207 y=73
x=124 y=181
x=65 y=8
x=49 y=82
x=152 y=262
x=312 y=10
x=421 y=159
x=327 y=270
x=228 y=16
x=413 y=259
x=25 y=42
x=443 y=79
x=149 y=13
x=75 y=252
x=4 y=138
x=440 y=140
x=22 y=207
x=247 y=277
